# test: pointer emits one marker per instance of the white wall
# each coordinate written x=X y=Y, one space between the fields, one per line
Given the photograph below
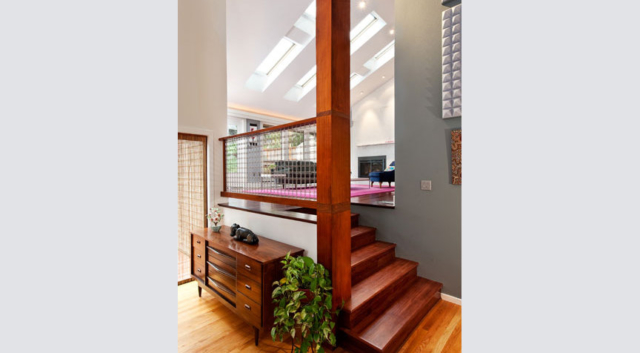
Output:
x=374 y=126
x=202 y=79
x=300 y=234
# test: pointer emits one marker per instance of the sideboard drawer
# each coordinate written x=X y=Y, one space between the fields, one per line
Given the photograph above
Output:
x=222 y=265
x=222 y=276
x=249 y=310
x=250 y=288
x=197 y=242
x=221 y=256
x=198 y=254
x=249 y=268
x=225 y=292
x=198 y=269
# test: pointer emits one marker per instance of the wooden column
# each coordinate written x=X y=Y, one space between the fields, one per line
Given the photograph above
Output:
x=333 y=100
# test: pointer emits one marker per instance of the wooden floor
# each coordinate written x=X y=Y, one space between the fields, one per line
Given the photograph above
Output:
x=205 y=325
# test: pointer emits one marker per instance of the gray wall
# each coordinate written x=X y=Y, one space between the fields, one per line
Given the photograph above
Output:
x=426 y=225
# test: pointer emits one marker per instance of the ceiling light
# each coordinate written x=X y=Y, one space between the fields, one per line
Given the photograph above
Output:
x=361 y=92
x=365 y=30
x=383 y=76
x=392 y=31
x=362 y=4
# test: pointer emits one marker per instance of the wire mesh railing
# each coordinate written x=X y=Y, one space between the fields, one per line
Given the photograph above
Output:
x=277 y=162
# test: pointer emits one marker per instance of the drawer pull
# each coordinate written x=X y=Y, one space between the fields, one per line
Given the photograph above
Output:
x=221 y=253
x=199 y=270
x=247 y=306
x=199 y=256
x=198 y=241
x=221 y=270
x=247 y=286
x=247 y=267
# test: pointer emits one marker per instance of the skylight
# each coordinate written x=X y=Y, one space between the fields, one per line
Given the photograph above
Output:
x=308 y=77
x=355 y=80
x=303 y=86
x=365 y=30
x=285 y=51
x=359 y=35
x=382 y=57
x=277 y=56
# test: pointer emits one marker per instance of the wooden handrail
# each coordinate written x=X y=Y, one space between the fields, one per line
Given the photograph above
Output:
x=273 y=128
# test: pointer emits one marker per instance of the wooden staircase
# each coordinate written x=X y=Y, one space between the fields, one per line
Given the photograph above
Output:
x=388 y=299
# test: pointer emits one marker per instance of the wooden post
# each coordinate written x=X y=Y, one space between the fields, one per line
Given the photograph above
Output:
x=333 y=100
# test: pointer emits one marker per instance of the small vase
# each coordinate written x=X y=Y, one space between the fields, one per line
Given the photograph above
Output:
x=216 y=229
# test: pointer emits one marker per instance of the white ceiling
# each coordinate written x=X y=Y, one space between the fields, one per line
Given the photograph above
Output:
x=254 y=27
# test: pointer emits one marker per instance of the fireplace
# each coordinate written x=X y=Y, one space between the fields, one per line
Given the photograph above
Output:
x=367 y=165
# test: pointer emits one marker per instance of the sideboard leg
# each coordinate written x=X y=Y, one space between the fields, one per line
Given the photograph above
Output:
x=256 y=332
x=199 y=291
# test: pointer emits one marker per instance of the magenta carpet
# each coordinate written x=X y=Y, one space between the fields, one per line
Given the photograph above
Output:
x=356 y=190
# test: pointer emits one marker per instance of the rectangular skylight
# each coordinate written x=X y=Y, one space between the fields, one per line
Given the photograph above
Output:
x=308 y=77
x=276 y=56
x=382 y=57
x=365 y=30
x=355 y=79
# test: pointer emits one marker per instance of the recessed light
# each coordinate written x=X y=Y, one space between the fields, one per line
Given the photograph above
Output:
x=361 y=92
x=362 y=4
x=383 y=76
x=392 y=31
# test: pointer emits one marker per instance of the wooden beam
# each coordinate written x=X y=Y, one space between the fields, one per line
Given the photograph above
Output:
x=332 y=102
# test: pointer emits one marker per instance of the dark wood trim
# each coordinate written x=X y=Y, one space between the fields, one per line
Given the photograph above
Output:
x=272 y=199
x=224 y=166
x=273 y=128
x=271 y=210
x=333 y=112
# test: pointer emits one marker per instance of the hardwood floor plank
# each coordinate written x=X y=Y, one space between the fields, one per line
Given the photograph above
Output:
x=205 y=325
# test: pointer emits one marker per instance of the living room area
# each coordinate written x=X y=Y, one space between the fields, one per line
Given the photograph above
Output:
x=271 y=142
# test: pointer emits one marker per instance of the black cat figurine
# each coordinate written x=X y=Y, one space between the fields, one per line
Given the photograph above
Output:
x=243 y=234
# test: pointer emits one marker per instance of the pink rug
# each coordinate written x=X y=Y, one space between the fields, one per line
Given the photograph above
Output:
x=356 y=190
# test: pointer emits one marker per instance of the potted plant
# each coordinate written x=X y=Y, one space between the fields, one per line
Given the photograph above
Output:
x=304 y=304
x=215 y=215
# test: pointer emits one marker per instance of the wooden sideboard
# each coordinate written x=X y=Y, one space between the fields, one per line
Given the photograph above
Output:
x=240 y=275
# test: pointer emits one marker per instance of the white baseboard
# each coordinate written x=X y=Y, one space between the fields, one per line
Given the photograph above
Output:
x=451 y=299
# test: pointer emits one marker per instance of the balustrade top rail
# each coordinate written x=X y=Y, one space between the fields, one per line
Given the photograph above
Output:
x=273 y=128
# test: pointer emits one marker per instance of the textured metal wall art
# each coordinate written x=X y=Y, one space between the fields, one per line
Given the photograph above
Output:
x=452 y=62
x=456 y=157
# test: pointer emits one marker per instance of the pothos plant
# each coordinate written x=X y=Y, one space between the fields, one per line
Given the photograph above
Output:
x=304 y=304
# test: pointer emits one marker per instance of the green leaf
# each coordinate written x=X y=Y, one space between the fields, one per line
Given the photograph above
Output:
x=293 y=333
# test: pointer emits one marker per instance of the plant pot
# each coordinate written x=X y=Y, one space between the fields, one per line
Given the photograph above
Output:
x=216 y=229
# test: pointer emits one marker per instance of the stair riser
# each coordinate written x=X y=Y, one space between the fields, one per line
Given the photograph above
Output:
x=355 y=220
x=371 y=265
x=366 y=313
x=362 y=239
x=355 y=345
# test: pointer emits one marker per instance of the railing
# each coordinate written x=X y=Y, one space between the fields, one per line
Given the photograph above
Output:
x=276 y=165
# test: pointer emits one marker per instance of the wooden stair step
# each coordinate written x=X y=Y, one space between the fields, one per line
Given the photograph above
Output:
x=392 y=327
x=361 y=236
x=355 y=218
x=370 y=258
x=374 y=293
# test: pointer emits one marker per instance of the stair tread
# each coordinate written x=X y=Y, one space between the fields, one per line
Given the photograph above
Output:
x=397 y=317
x=361 y=230
x=371 y=250
x=364 y=291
